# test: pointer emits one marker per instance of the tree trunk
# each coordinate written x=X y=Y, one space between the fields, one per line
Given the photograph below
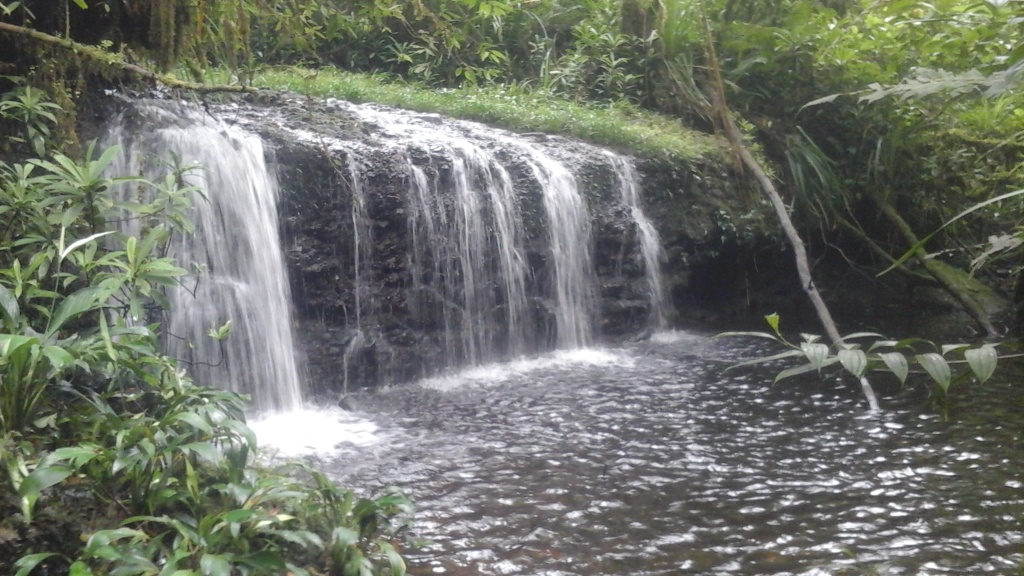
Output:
x=101 y=58
x=943 y=274
x=732 y=133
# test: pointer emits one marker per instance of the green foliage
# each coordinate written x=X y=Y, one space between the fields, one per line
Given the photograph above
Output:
x=87 y=399
x=29 y=107
x=861 y=353
x=619 y=125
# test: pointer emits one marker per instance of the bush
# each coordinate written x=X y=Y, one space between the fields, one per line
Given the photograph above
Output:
x=90 y=408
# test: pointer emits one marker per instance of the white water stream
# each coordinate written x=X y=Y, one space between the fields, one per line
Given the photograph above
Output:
x=235 y=257
x=470 y=258
x=650 y=241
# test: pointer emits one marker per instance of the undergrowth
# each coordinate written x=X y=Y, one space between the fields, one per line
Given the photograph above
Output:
x=112 y=460
x=619 y=125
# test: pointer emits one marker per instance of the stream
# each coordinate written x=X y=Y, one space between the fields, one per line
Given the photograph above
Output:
x=653 y=459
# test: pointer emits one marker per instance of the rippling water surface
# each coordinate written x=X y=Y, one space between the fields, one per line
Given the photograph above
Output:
x=653 y=460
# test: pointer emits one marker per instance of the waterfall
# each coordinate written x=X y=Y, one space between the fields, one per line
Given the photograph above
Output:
x=362 y=239
x=468 y=256
x=650 y=243
x=450 y=243
x=569 y=234
x=477 y=272
x=235 y=255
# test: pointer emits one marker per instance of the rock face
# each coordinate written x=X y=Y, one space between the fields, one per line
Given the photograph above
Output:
x=416 y=243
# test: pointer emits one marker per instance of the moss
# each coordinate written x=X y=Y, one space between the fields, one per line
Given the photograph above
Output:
x=620 y=125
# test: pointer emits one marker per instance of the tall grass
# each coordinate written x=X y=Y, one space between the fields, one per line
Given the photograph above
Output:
x=620 y=125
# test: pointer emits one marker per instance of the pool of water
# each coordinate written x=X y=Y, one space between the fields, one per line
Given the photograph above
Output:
x=655 y=460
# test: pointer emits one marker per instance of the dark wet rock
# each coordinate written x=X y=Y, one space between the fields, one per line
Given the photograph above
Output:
x=313 y=144
x=363 y=317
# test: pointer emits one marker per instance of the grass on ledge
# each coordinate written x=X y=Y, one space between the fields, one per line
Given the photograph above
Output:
x=620 y=125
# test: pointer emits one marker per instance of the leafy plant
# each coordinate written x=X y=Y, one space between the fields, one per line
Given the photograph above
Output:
x=358 y=530
x=32 y=110
x=861 y=353
x=87 y=399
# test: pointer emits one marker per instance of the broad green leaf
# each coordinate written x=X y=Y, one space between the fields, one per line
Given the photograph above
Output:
x=108 y=343
x=220 y=333
x=70 y=215
x=394 y=558
x=982 y=361
x=11 y=343
x=59 y=358
x=773 y=322
x=194 y=420
x=816 y=353
x=42 y=478
x=76 y=455
x=205 y=450
x=855 y=361
x=241 y=430
x=26 y=564
x=267 y=561
x=238 y=515
x=64 y=253
x=802 y=369
x=882 y=344
x=897 y=364
x=79 y=568
x=9 y=307
x=857 y=335
x=936 y=367
x=81 y=4
x=109 y=154
x=40 y=263
x=947 y=348
x=9 y=8
x=105 y=538
x=747 y=334
x=131 y=252
x=214 y=565
x=303 y=538
x=344 y=536
x=73 y=306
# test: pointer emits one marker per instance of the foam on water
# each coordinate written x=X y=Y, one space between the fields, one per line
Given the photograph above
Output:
x=676 y=336
x=499 y=372
x=313 y=431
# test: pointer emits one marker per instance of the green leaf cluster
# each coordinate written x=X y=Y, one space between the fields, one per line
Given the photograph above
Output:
x=862 y=353
x=90 y=408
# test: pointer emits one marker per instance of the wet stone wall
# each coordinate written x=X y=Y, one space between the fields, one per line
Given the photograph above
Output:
x=415 y=244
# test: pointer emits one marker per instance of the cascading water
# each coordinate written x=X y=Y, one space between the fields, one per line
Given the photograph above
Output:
x=454 y=243
x=569 y=233
x=478 y=293
x=235 y=255
x=362 y=239
x=468 y=257
x=650 y=242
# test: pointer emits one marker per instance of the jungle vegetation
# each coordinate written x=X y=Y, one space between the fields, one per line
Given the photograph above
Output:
x=878 y=121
